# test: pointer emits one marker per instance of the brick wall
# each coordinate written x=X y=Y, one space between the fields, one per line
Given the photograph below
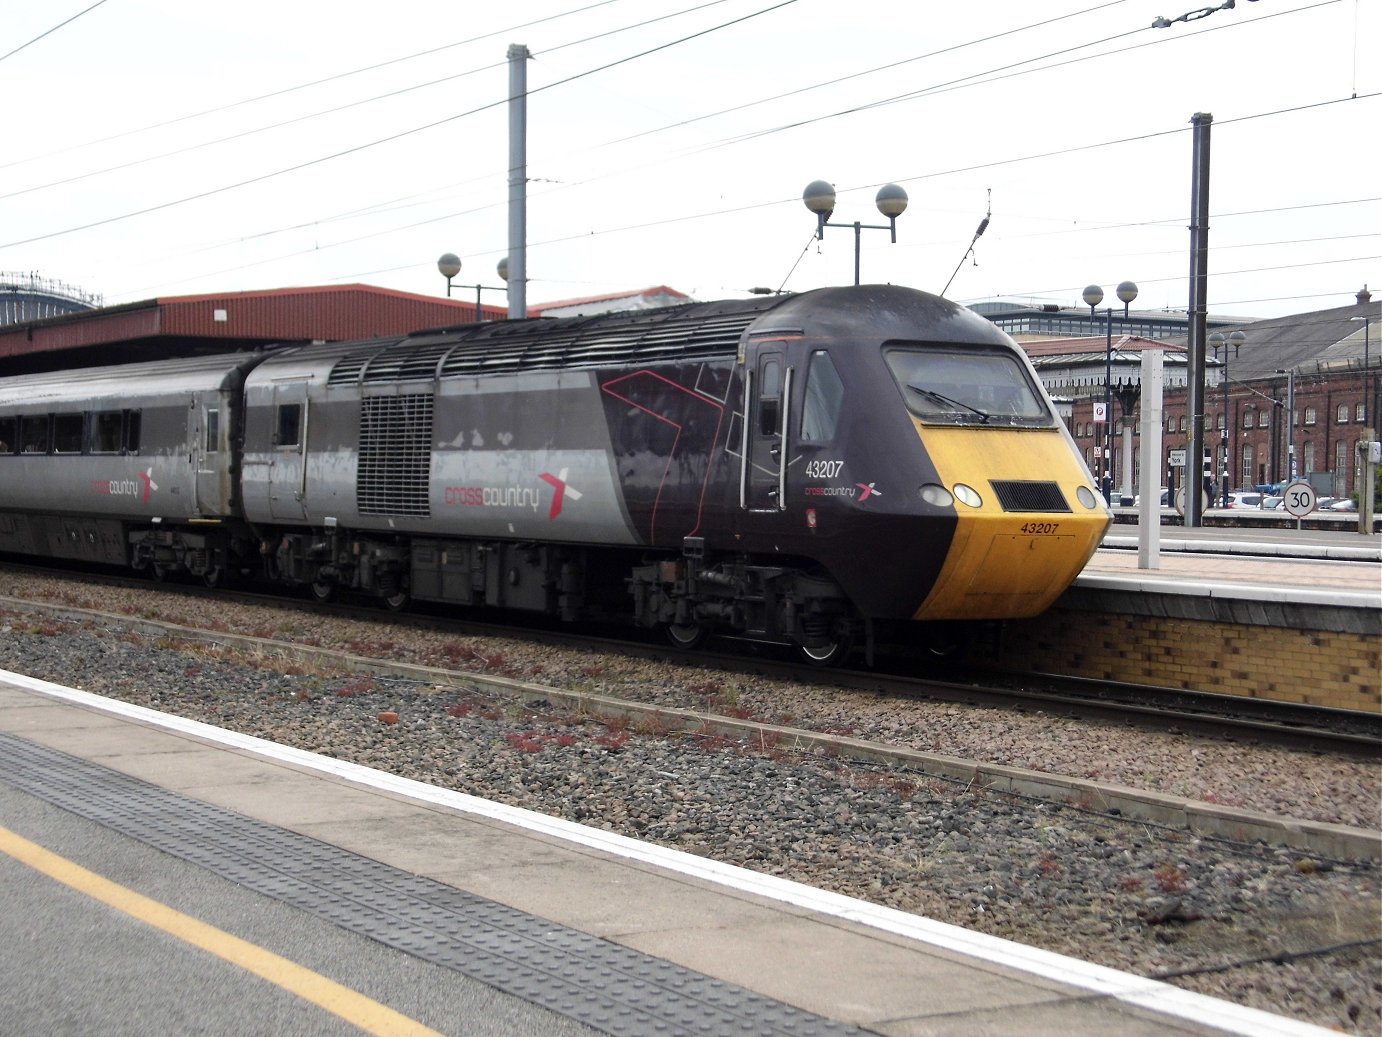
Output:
x=1317 y=668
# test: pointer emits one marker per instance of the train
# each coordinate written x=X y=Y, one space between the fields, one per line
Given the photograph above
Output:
x=810 y=470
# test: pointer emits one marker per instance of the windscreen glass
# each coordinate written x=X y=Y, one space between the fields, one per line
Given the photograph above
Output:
x=951 y=385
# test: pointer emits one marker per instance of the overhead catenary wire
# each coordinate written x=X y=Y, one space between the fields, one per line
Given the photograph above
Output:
x=384 y=140
x=49 y=32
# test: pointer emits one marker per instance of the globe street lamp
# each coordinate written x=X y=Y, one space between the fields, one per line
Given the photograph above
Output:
x=449 y=265
x=1093 y=296
x=819 y=197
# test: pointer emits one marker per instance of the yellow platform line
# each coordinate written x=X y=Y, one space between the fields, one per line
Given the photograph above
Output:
x=356 y=1009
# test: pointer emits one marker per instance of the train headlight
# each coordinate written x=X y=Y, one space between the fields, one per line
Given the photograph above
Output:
x=936 y=496
x=1086 y=497
x=968 y=494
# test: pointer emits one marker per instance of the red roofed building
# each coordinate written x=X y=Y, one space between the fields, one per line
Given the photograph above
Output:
x=188 y=325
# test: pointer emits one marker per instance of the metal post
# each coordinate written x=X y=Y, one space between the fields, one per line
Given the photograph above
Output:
x=1291 y=424
x=1199 y=284
x=518 y=181
x=1223 y=437
x=858 y=233
x=1108 y=407
x=1149 y=507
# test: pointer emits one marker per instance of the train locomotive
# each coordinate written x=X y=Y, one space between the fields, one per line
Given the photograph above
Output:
x=798 y=469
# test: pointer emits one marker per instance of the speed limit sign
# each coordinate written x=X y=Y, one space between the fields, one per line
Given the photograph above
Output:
x=1299 y=499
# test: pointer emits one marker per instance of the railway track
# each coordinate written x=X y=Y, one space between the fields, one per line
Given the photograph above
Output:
x=899 y=674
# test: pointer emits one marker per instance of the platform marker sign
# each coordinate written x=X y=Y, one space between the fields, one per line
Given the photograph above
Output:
x=1299 y=499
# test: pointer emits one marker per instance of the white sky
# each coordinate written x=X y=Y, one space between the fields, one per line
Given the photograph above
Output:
x=1079 y=128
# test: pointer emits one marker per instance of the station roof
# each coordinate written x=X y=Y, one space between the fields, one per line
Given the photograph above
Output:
x=191 y=325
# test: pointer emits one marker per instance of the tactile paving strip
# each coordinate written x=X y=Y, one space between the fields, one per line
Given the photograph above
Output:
x=605 y=986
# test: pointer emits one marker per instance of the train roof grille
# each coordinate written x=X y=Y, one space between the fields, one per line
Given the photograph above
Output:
x=533 y=348
x=693 y=332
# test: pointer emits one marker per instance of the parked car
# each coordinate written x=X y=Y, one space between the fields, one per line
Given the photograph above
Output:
x=1344 y=504
x=1272 y=503
x=1243 y=500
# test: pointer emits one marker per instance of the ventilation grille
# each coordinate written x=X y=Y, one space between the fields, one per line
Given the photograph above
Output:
x=694 y=332
x=1030 y=496
x=536 y=348
x=395 y=455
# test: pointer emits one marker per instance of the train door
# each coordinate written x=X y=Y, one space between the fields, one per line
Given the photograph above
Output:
x=203 y=447
x=288 y=469
x=768 y=391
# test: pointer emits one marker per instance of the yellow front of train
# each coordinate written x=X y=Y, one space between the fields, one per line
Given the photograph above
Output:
x=1027 y=519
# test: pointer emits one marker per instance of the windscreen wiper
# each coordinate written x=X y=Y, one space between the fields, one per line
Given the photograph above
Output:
x=947 y=401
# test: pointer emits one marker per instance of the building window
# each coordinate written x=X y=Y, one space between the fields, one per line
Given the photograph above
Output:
x=1308 y=465
x=1360 y=414
x=1183 y=423
x=1309 y=415
x=1247 y=417
x=1170 y=423
x=1341 y=415
x=1248 y=473
x=1263 y=418
x=1342 y=450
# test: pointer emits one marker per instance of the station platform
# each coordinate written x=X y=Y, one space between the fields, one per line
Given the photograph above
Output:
x=358 y=896
x=1294 y=616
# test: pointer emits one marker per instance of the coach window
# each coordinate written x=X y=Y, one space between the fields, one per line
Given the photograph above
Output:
x=825 y=395
x=8 y=439
x=132 y=431
x=289 y=420
x=67 y=433
x=213 y=431
x=105 y=432
x=33 y=434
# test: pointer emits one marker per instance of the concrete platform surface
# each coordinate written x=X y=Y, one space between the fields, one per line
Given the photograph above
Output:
x=859 y=965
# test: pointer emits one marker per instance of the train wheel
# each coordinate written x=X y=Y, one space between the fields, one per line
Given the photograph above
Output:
x=686 y=636
x=214 y=577
x=160 y=572
x=397 y=601
x=322 y=591
x=829 y=653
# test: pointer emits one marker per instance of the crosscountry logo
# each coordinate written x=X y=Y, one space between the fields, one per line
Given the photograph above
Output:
x=560 y=491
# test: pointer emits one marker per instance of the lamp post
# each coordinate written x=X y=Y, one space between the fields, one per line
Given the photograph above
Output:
x=819 y=197
x=1218 y=341
x=1093 y=296
x=449 y=265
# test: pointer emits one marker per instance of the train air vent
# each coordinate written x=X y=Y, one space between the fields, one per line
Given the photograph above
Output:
x=1017 y=495
x=395 y=466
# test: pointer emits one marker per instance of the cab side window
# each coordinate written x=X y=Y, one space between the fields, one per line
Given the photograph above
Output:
x=824 y=398
x=289 y=421
x=769 y=396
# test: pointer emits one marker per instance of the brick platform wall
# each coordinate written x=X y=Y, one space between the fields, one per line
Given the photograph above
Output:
x=1318 y=668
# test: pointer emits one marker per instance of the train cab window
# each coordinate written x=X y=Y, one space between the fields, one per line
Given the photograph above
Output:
x=769 y=395
x=106 y=426
x=33 y=434
x=213 y=431
x=824 y=398
x=289 y=421
x=967 y=386
x=8 y=438
x=67 y=433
